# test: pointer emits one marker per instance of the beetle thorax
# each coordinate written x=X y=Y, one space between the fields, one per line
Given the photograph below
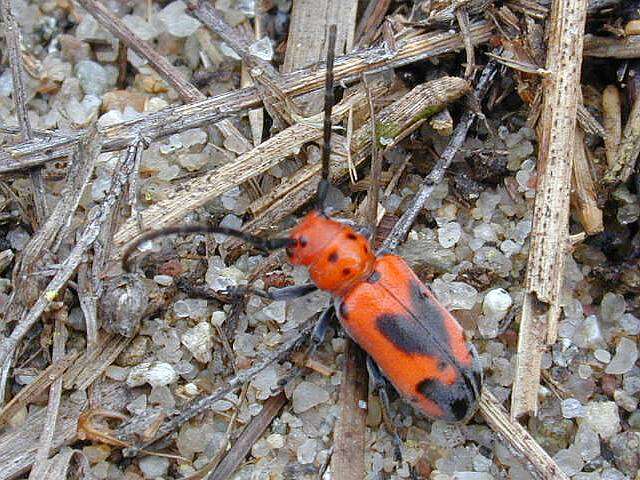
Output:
x=336 y=255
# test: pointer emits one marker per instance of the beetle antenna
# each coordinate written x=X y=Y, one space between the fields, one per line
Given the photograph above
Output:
x=323 y=186
x=266 y=244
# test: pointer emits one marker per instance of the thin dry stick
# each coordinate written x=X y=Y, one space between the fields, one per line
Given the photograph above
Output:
x=96 y=218
x=550 y=230
x=32 y=391
x=612 y=47
x=248 y=437
x=187 y=91
x=12 y=37
x=584 y=196
x=402 y=226
x=612 y=120
x=628 y=149
x=172 y=120
x=347 y=461
x=462 y=16
x=199 y=191
x=55 y=393
x=373 y=195
x=516 y=437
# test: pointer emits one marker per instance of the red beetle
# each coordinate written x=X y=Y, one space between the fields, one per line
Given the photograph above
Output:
x=380 y=302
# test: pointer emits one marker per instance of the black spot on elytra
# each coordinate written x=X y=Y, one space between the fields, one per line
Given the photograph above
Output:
x=333 y=257
x=346 y=272
x=374 y=277
x=459 y=408
x=402 y=333
x=454 y=400
x=303 y=242
x=352 y=236
x=442 y=365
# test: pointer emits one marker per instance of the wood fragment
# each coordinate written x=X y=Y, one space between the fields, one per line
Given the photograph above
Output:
x=347 y=461
x=612 y=47
x=45 y=445
x=550 y=230
x=624 y=162
x=584 y=196
x=612 y=120
x=462 y=17
x=37 y=386
x=248 y=437
x=370 y=21
x=173 y=119
x=589 y=123
x=197 y=192
x=12 y=37
x=373 y=195
x=427 y=98
x=520 y=441
x=68 y=266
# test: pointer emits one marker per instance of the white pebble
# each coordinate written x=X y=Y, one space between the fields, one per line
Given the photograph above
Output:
x=199 y=341
x=602 y=355
x=497 y=303
x=153 y=467
x=307 y=395
x=155 y=374
x=572 y=408
x=449 y=234
x=625 y=357
x=603 y=417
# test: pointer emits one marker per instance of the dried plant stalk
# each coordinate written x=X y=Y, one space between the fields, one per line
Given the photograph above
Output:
x=423 y=101
x=516 y=437
x=584 y=196
x=195 y=193
x=612 y=47
x=39 y=385
x=549 y=236
x=347 y=461
x=172 y=120
x=628 y=149
x=612 y=120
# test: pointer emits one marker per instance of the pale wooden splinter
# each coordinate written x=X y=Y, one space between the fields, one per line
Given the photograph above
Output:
x=550 y=233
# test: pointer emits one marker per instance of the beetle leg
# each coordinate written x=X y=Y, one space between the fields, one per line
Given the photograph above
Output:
x=317 y=337
x=284 y=293
x=380 y=385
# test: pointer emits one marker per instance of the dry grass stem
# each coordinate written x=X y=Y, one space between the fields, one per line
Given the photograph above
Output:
x=612 y=120
x=519 y=440
x=550 y=230
x=628 y=149
x=172 y=120
x=584 y=196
